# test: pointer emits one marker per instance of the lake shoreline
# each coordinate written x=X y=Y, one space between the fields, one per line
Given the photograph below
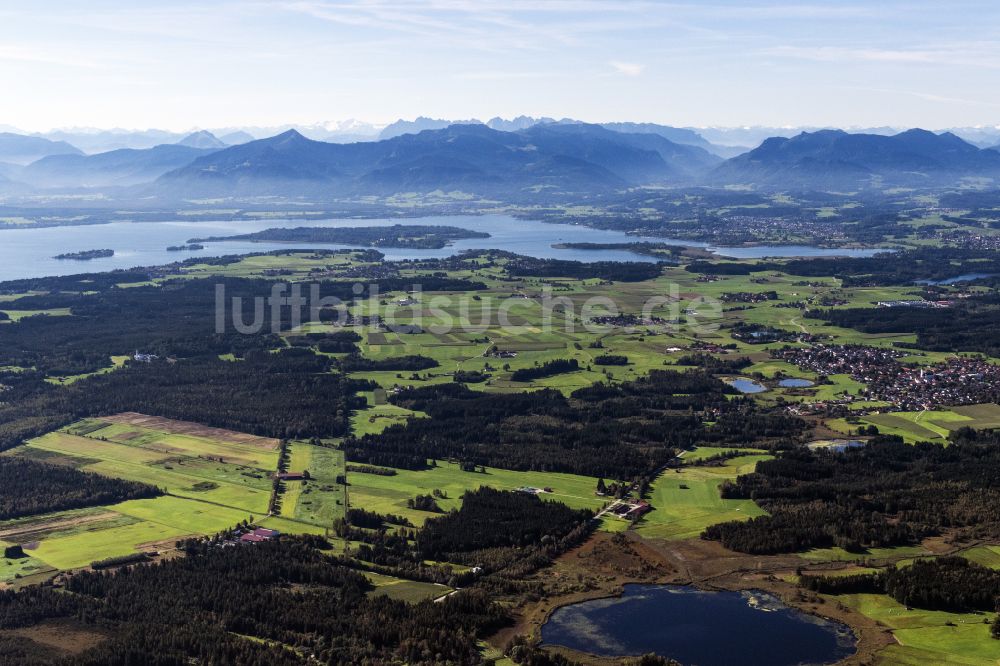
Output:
x=696 y=564
x=27 y=252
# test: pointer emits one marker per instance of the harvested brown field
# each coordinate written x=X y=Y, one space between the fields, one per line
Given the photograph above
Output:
x=64 y=638
x=173 y=427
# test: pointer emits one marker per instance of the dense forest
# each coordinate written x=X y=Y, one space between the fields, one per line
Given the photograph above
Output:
x=28 y=487
x=287 y=394
x=551 y=368
x=968 y=325
x=883 y=269
x=177 y=319
x=417 y=236
x=946 y=583
x=200 y=608
x=615 y=431
x=358 y=363
x=884 y=494
x=501 y=536
x=497 y=519
x=604 y=270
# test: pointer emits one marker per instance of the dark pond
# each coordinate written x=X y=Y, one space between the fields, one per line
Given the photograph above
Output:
x=795 y=383
x=699 y=628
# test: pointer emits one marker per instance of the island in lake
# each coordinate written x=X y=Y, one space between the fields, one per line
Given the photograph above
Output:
x=190 y=247
x=86 y=255
x=662 y=250
x=411 y=236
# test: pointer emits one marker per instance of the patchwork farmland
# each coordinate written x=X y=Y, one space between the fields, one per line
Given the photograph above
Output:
x=211 y=479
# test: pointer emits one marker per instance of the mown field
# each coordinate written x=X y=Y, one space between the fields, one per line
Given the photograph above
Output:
x=322 y=499
x=212 y=479
x=932 y=426
x=686 y=500
x=389 y=494
x=929 y=637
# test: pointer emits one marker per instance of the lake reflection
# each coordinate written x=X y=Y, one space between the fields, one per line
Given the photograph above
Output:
x=699 y=628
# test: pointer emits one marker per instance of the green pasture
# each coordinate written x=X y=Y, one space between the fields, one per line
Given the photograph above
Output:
x=929 y=637
x=405 y=590
x=320 y=500
x=379 y=415
x=932 y=425
x=686 y=500
x=388 y=494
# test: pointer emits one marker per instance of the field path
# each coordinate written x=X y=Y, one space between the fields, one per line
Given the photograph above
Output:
x=46 y=526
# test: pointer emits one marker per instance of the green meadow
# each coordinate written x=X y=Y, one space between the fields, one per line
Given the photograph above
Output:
x=210 y=485
x=686 y=500
x=320 y=500
x=929 y=637
x=932 y=426
x=389 y=494
x=405 y=590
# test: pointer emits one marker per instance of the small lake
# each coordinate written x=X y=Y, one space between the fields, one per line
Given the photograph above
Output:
x=795 y=382
x=700 y=628
x=967 y=277
x=837 y=445
x=26 y=253
x=744 y=385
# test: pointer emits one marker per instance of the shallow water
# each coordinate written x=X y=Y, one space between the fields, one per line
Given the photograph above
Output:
x=744 y=385
x=699 y=627
x=795 y=383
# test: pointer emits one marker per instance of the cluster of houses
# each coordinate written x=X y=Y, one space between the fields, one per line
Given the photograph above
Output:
x=748 y=296
x=969 y=240
x=930 y=305
x=530 y=490
x=494 y=352
x=627 y=321
x=258 y=535
x=737 y=229
x=907 y=387
x=628 y=509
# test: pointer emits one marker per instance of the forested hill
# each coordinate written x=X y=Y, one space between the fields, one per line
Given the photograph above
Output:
x=418 y=236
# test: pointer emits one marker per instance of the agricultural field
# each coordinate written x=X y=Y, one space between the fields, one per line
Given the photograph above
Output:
x=988 y=556
x=322 y=499
x=194 y=467
x=405 y=590
x=116 y=363
x=213 y=479
x=380 y=414
x=932 y=426
x=686 y=500
x=389 y=494
x=928 y=637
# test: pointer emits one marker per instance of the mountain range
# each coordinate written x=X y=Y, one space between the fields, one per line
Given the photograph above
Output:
x=474 y=158
x=20 y=149
x=834 y=159
x=520 y=158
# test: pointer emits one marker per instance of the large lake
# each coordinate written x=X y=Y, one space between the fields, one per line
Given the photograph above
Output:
x=699 y=628
x=29 y=252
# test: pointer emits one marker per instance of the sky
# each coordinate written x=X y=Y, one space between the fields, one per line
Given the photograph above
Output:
x=180 y=65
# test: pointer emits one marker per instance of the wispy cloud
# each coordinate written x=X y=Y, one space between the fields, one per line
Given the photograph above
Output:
x=627 y=68
x=972 y=54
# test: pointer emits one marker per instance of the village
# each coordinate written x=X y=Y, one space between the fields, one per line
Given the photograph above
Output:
x=962 y=380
